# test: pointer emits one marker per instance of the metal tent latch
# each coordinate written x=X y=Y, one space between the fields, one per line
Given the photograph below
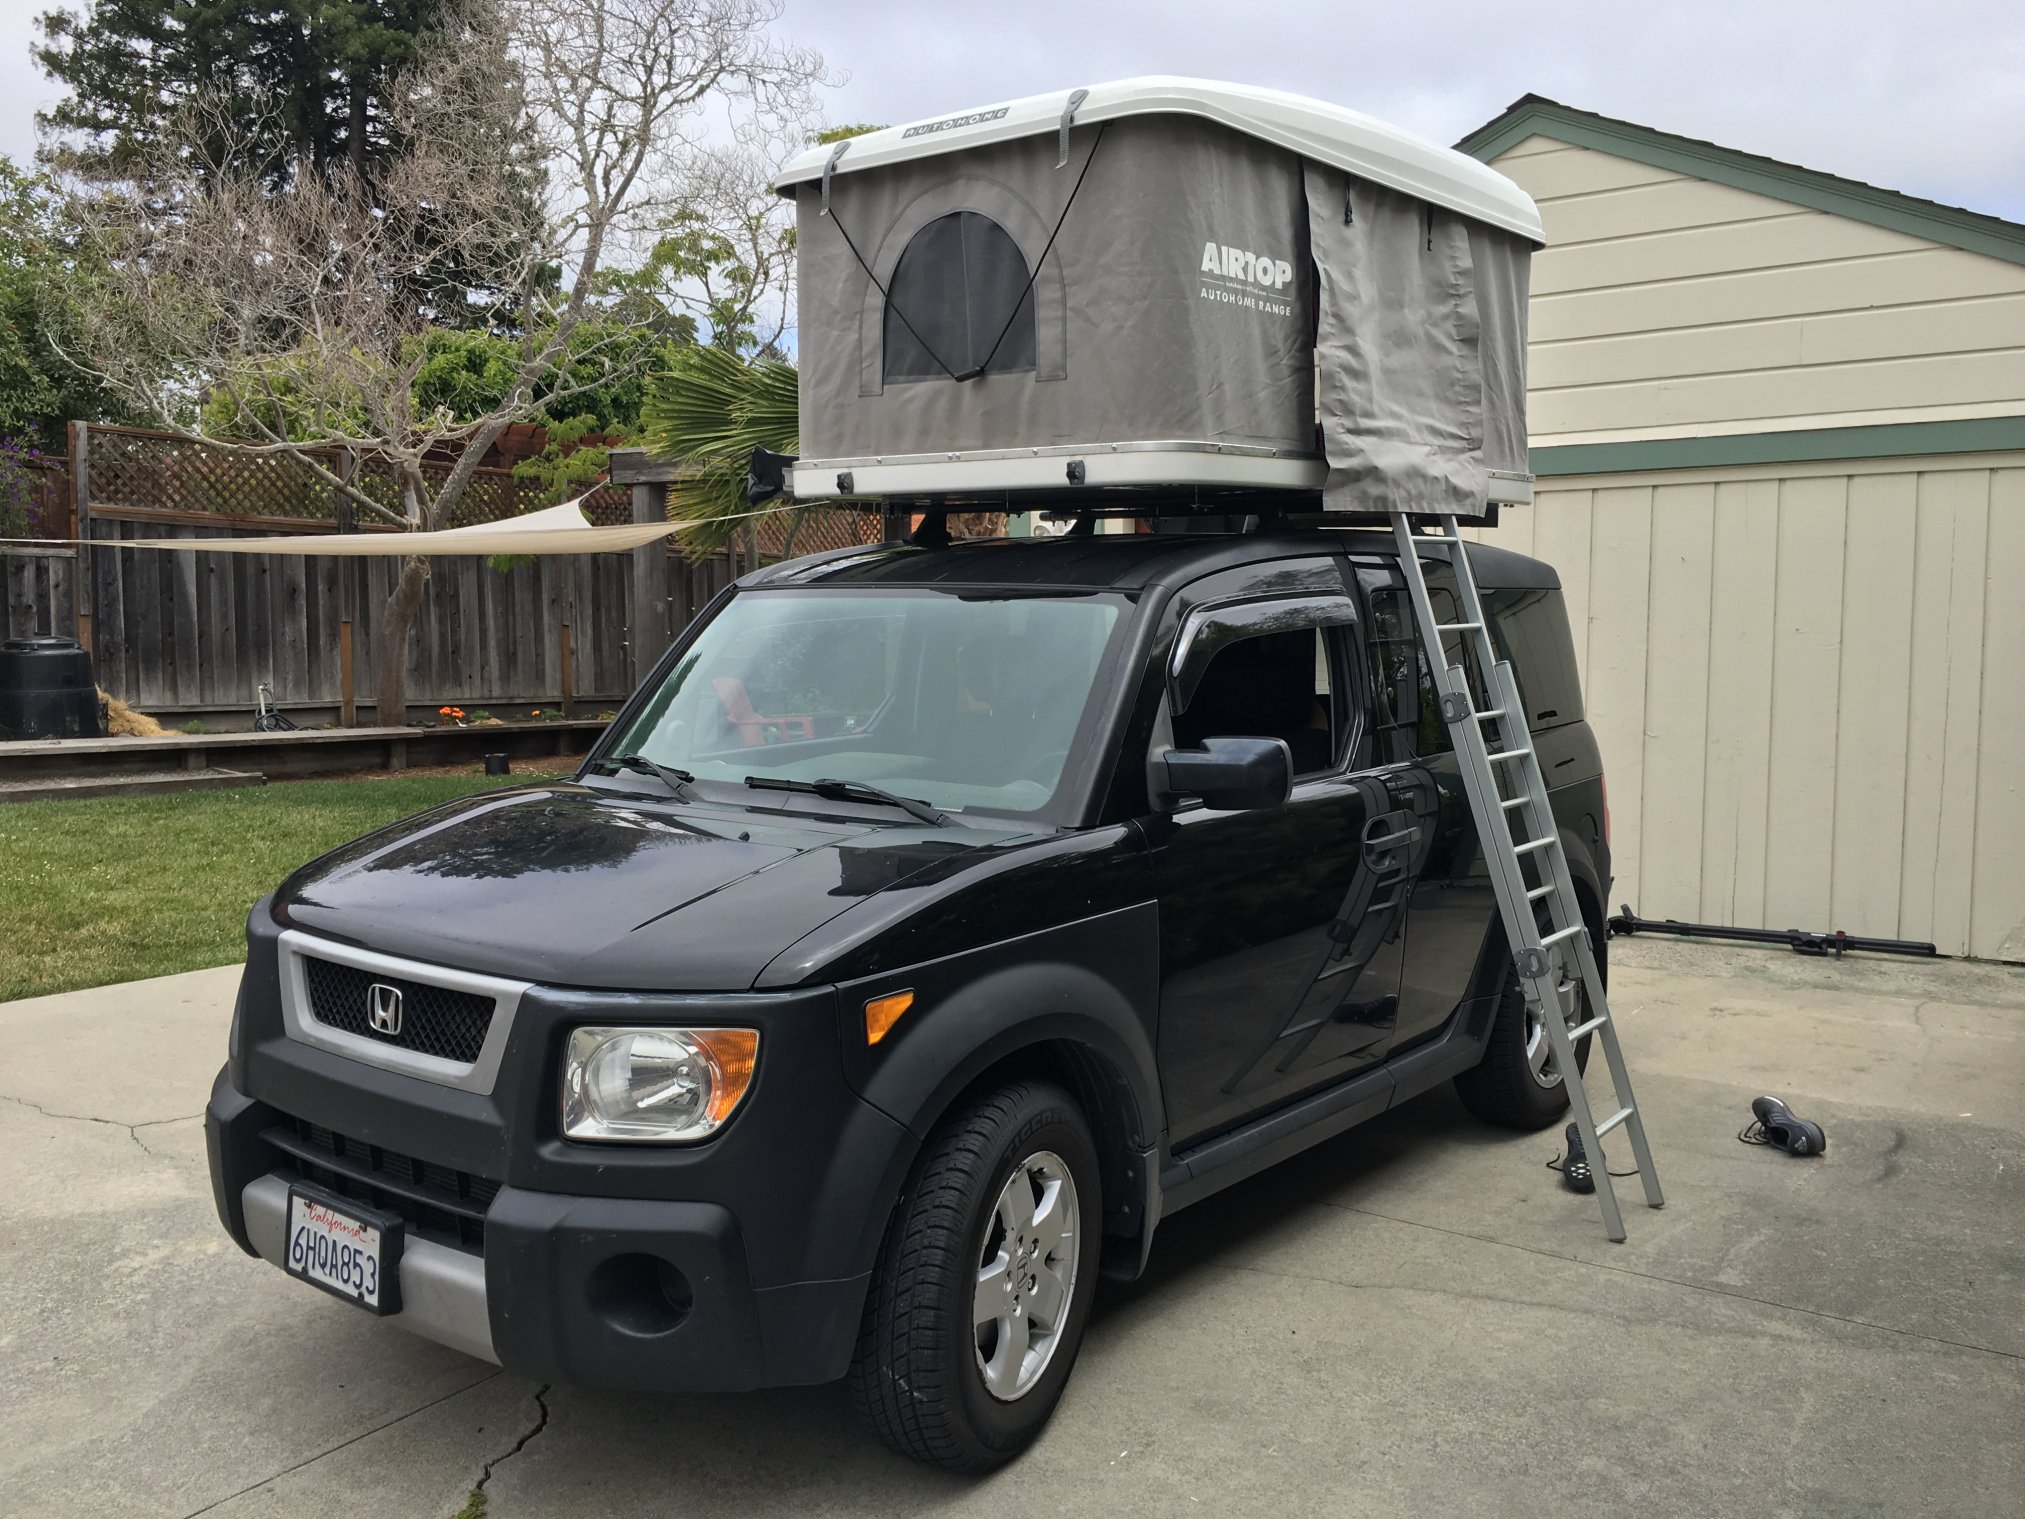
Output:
x=1068 y=117
x=1077 y=473
x=829 y=166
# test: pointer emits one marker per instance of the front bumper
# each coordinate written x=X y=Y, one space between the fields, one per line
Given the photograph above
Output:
x=617 y=1292
x=442 y=1289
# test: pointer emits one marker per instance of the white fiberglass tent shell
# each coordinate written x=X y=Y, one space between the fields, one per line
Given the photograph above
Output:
x=1161 y=282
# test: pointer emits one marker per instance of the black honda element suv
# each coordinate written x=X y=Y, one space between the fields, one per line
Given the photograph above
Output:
x=930 y=925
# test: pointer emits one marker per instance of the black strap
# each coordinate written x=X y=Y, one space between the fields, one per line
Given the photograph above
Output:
x=1025 y=291
x=1036 y=272
x=926 y=347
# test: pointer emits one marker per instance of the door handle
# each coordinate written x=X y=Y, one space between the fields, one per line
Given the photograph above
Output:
x=1380 y=846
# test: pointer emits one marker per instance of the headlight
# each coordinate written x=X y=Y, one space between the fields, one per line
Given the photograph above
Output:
x=655 y=1085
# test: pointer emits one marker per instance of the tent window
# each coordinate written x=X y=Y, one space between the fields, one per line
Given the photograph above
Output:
x=958 y=280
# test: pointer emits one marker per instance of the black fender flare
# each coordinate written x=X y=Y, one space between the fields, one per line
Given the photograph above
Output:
x=1091 y=985
x=1583 y=872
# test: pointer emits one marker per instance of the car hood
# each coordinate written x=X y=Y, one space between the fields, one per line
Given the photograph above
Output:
x=572 y=886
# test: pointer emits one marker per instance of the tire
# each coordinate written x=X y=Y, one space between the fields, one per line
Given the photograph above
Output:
x=1511 y=1086
x=932 y=1383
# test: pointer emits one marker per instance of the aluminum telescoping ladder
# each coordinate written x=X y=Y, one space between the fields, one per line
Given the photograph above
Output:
x=1515 y=824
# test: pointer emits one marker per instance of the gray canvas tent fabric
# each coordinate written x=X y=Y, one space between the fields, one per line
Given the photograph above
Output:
x=1133 y=339
x=1420 y=349
x=1204 y=286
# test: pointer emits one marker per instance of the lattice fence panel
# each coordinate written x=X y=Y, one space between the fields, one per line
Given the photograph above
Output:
x=814 y=531
x=130 y=468
x=609 y=506
x=491 y=496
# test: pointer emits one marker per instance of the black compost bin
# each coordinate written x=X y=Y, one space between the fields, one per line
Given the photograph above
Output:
x=47 y=690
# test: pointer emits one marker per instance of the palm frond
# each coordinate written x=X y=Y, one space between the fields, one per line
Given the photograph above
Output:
x=709 y=409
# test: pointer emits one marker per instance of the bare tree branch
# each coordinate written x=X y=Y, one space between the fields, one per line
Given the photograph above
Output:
x=542 y=143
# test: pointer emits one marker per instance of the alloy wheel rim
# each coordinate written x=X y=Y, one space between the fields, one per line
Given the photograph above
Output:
x=1540 y=1049
x=1026 y=1276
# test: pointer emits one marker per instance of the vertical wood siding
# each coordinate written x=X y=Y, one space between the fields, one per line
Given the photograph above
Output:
x=1809 y=688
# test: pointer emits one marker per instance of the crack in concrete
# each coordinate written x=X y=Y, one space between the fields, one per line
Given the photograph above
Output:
x=364 y=1434
x=477 y=1506
x=133 y=1130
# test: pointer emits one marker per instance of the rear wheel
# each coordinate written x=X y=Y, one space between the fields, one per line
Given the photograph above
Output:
x=1515 y=1085
x=983 y=1286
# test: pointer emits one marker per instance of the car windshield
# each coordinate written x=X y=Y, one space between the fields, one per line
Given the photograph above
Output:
x=961 y=700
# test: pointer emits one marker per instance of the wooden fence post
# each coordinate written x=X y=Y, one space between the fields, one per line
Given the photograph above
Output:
x=649 y=622
x=80 y=486
x=348 y=708
x=566 y=572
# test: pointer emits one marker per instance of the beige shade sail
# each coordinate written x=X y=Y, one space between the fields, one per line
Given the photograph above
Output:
x=555 y=530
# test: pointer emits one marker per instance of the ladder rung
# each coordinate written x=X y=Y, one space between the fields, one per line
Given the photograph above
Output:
x=1489 y=713
x=1559 y=934
x=1540 y=891
x=1509 y=754
x=1613 y=1121
x=1517 y=801
x=1458 y=627
x=1594 y=1023
x=1532 y=844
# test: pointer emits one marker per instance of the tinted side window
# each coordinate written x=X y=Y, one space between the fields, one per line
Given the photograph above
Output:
x=1530 y=628
x=958 y=283
x=1279 y=685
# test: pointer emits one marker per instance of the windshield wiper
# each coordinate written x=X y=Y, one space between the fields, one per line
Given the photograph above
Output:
x=677 y=781
x=852 y=791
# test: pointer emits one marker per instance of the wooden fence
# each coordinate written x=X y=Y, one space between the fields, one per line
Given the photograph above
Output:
x=192 y=632
x=38 y=589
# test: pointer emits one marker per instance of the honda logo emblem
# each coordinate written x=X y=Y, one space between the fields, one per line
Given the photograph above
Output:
x=383 y=1007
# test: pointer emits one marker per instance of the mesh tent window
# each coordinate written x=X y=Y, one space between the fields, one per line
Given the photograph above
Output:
x=957 y=282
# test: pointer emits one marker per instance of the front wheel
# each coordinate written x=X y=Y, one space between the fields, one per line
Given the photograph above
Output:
x=983 y=1285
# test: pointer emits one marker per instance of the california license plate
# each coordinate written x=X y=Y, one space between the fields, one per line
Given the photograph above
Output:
x=348 y=1250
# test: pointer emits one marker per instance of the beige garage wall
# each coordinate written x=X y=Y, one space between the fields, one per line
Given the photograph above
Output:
x=1809 y=685
x=1666 y=305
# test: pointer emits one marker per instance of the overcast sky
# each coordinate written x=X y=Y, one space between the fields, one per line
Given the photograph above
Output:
x=1926 y=97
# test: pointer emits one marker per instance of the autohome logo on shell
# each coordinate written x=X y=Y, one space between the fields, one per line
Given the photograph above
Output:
x=947 y=123
x=1239 y=277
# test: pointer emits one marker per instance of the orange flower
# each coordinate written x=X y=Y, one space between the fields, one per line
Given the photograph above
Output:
x=535 y=713
x=442 y=711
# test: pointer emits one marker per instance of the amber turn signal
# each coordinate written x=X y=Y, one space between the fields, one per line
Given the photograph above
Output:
x=733 y=1052
x=881 y=1013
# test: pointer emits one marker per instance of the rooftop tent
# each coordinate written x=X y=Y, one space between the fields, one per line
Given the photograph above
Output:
x=1161 y=282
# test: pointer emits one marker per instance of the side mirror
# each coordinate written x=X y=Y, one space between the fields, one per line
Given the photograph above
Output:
x=1231 y=774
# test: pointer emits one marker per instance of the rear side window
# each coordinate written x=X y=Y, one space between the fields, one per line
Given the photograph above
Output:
x=1407 y=706
x=1530 y=628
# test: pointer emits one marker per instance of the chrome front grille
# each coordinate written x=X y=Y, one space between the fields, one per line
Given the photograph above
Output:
x=430 y=1020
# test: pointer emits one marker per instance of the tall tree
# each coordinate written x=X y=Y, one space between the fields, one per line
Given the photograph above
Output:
x=538 y=142
x=315 y=75
x=43 y=275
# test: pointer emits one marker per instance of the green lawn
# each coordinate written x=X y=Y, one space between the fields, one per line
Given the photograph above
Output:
x=117 y=888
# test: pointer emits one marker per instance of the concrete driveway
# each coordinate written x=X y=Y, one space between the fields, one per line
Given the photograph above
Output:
x=1414 y=1319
